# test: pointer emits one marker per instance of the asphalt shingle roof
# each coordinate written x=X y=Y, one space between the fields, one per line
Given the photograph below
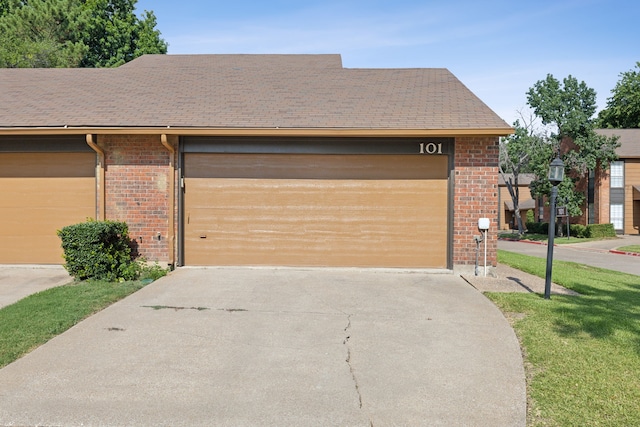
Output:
x=629 y=140
x=241 y=91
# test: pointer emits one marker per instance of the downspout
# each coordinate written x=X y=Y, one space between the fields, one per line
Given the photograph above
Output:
x=100 y=209
x=172 y=184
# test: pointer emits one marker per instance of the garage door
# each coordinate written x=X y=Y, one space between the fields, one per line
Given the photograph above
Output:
x=39 y=194
x=315 y=210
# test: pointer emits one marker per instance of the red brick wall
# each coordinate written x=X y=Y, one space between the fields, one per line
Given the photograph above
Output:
x=137 y=179
x=602 y=196
x=475 y=196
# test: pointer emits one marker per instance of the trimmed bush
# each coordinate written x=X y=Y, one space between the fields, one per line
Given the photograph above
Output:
x=98 y=250
x=538 y=227
x=578 y=230
x=601 y=230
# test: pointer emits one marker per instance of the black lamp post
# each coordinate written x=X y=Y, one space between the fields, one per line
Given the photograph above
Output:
x=556 y=176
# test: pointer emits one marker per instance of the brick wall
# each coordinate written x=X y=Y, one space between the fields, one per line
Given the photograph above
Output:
x=475 y=196
x=602 y=197
x=137 y=180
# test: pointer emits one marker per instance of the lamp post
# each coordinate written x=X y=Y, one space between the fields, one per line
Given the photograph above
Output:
x=556 y=176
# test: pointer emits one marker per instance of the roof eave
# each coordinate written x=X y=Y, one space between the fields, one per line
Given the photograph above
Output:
x=277 y=131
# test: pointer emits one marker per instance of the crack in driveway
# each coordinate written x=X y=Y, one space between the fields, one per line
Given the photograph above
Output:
x=348 y=360
x=346 y=341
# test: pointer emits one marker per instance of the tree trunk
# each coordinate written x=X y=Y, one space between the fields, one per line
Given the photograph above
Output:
x=514 y=191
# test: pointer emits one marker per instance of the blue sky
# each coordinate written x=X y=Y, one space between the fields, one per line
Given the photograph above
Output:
x=498 y=49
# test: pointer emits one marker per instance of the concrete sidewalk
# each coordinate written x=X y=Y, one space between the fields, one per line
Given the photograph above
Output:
x=278 y=347
x=599 y=253
x=19 y=281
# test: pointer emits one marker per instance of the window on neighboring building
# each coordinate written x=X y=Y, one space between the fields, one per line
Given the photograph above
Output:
x=617 y=174
x=617 y=216
x=616 y=195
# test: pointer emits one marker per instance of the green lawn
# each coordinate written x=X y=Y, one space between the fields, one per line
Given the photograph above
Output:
x=630 y=248
x=37 y=318
x=582 y=354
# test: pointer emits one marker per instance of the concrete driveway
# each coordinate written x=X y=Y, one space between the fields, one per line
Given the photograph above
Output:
x=278 y=347
x=19 y=281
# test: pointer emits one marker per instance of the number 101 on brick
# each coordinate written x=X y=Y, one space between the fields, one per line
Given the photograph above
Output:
x=430 y=148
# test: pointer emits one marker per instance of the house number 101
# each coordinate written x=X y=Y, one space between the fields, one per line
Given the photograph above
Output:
x=430 y=148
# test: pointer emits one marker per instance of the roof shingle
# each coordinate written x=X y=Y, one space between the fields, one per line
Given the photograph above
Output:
x=241 y=91
x=629 y=141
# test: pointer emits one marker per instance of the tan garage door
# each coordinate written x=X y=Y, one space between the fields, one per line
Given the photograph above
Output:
x=315 y=210
x=39 y=194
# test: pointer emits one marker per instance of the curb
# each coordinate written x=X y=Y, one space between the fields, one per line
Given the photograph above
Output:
x=614 y=251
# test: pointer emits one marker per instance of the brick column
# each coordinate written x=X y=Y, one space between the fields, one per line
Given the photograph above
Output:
x=137 y=190
x=475 y=196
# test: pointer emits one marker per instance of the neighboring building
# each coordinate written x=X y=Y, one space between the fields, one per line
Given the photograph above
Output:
x=619 y=190
x=283 y=160
x=506 y=214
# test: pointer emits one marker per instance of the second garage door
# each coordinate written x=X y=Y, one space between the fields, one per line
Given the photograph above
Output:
x=39 y=194
x=315 y=210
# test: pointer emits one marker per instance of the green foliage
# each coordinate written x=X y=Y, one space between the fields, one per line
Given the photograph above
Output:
x=98 y=250
x=569 y=106
x=519 y=153
x=623 y=107
x=537 y=227
x=591 y=231
x=630 y=248
x=41 y=34
x=600 y=230
x=578 y=230
x=582 y=352
x=150 y=272
x=530 y=216
x=114 y=35
x=75 y=33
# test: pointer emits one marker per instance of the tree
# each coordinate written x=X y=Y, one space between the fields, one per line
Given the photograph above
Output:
x=75 y=33
x=568 y=107
x=40 y=35
x=623 y=107
x=518 y=152
x=115 y=35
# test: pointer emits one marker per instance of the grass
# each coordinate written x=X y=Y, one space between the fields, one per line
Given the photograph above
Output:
x=36 y=319
x=582 y=354
x=630 y=248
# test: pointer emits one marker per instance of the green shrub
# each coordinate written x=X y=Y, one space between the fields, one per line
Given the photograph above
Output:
x=530 y=216
x=151 y=272
x=601 y=230
x=538 y=227
x=98 y=250
x=578 y=230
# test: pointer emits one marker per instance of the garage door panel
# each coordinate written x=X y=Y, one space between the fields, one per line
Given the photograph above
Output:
x=30 y=193
x=43 y=249
x=204 y=193
x=39 y=194
x=304 y=166
x=22 y=223
x=318 y=222
x=25 y=165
